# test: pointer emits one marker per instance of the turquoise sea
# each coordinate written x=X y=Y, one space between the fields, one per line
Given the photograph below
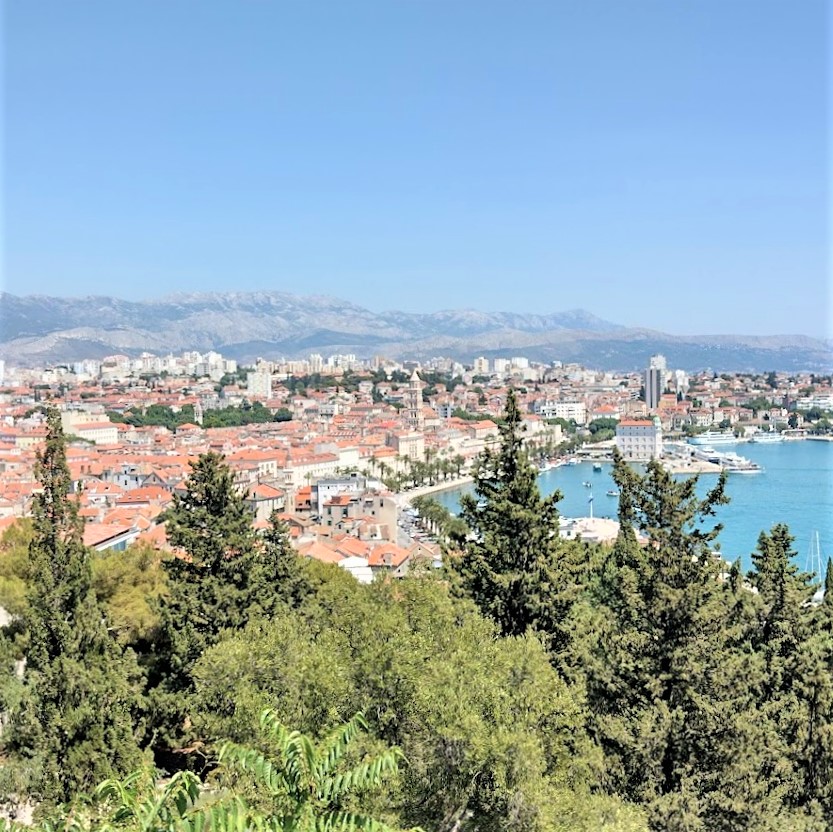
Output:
x=795 y=487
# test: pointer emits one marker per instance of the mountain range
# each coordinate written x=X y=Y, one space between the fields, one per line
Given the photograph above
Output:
x=37 y=330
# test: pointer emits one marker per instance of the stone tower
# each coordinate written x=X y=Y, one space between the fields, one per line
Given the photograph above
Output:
x=413 y=403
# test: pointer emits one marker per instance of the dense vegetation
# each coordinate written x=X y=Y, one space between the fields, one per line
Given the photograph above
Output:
x=225 y=417
x=536 y=684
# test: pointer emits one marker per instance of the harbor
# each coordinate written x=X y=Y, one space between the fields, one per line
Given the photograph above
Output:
x=794 y=486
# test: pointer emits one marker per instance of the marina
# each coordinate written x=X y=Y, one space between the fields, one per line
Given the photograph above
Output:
x=794 y=485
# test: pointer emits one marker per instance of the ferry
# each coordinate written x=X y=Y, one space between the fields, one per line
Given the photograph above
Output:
x=712 y=438
x=767 y=436
x=729 y=461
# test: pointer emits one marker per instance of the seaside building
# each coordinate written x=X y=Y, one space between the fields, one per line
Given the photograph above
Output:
x=639 y=439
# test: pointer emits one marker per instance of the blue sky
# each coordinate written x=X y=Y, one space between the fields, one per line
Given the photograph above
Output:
x=661 y=164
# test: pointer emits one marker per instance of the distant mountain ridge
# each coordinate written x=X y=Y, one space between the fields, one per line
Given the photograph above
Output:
x=38 y=329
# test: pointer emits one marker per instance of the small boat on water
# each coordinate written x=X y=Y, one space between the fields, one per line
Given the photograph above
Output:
x=597 y=466
x=587 y=484
x=612 y=493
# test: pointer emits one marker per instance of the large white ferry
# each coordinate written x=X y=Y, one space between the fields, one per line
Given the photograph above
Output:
x=712 y=438
x=766 y=436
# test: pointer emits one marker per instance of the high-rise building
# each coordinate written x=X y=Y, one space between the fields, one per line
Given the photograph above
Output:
x=655 y=381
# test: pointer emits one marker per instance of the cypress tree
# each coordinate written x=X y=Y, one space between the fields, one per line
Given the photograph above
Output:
x=279 y=578
x=514 y=565
x=668 y=687
x=74 y=724
x=795 y=646
x=215 y=582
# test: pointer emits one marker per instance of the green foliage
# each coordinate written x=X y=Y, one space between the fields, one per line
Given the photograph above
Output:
x=14 y=566
x=492 y=735
x=130 y=585
x=673 y=686
x=208 y=584
x=304 y=786
x=514 y=565
x=73 y=721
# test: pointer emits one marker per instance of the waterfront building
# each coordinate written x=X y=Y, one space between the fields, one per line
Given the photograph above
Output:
x=639 y=439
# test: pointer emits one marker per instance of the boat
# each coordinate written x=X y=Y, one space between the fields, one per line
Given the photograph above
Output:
x=597 y=466
x=612 y=493
x=767 y=436
x=712 y=438
x=730 y=462
x=587 y=484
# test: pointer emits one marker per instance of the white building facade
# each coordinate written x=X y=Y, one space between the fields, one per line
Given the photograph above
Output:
x=639 y=439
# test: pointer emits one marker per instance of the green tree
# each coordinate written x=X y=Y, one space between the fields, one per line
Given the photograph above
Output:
x=279 y=575
x=493 y=737
x=513 y=564
x=74 y=721
x=209 y=586
x=673 y=697
x=797 y=686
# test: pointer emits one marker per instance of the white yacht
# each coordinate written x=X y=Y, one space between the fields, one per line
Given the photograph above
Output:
x=712 y=438
x=766 y=436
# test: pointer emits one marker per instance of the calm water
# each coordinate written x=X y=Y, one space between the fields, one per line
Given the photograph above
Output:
x=795 y=488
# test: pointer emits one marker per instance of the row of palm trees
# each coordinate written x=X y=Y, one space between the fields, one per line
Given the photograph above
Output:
x=415 y=473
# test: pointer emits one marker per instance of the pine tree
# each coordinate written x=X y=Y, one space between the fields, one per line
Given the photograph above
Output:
x=279 y=577
x=668 y=686
x=218 y=579
x=514 y=565
x=74 y=723
x=797 y=694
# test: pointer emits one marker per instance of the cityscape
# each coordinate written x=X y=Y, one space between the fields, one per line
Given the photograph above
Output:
x=416 y=417
x=294 y=432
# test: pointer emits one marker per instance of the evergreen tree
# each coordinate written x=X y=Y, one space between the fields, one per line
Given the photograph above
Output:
x=514 y=565
x=672 y=694
x=73 y=724
x=797 y=695
x=209 y=587
x=279 y=577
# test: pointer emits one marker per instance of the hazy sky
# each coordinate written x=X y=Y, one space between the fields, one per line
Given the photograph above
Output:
x=659 y=163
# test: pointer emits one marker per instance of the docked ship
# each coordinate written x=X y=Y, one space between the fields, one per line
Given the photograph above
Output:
x=729 y=461
x=767 y=436
x=712 y=438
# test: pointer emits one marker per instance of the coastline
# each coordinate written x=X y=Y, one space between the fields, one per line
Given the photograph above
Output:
x=402 y=498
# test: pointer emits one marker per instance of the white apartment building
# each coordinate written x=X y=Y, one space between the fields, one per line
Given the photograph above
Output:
x=639 y=438
x=501 y=365
x=259 y=385
x=575 y=410
x=481 y=366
